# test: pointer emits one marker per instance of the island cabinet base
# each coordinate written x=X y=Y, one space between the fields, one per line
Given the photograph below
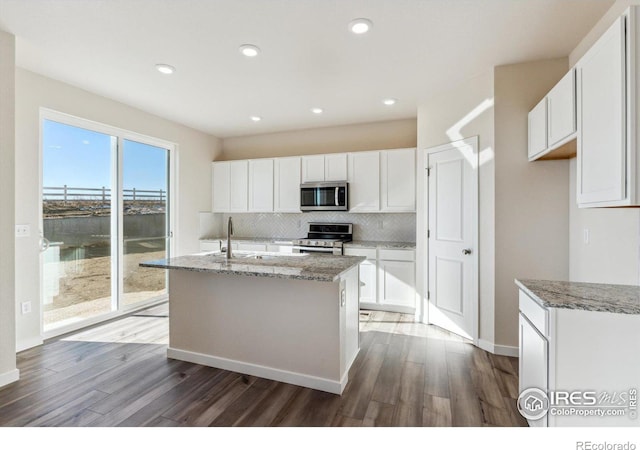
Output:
x=295 y=331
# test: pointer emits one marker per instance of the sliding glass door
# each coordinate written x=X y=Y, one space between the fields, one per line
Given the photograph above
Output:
x=105 y=209
x=145 y=181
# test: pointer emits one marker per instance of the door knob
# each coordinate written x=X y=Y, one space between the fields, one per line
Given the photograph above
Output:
x=466 y=251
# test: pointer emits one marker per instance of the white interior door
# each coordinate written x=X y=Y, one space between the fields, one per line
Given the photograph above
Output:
x=452 y=237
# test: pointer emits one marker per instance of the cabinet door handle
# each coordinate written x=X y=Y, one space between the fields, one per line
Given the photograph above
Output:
x=466 y=251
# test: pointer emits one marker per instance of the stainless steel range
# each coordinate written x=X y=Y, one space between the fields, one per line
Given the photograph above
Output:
x=324 y=238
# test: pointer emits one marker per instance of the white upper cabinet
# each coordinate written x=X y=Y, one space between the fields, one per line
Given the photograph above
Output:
x=552 y=122
x=604 y=86
x=312 y=168
x=538 y=129
x=335 y=167
x=398 y=180
x=331 y=167
x=364 y=182
x=239 y=186
x=221 y=195
x=287 y=184
x=379 y=181
x=561 y=109
x=261 y=185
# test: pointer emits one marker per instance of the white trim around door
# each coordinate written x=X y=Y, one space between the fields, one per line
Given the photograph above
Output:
x=468 y=148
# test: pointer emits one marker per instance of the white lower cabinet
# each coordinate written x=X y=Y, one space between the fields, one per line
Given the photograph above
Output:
x=575 y=355
x=396 y=281
x=369 y=281
x=386 y=284
x=534 y=361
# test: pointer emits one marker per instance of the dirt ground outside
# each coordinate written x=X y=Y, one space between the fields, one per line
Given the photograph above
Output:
x=84 y=287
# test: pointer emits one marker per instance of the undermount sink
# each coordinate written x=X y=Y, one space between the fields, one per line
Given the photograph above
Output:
x=239 y=255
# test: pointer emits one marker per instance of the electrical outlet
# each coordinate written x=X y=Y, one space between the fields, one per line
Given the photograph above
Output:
x=586 y=236
x=380 y=224
x=23 y=231
x=26 y=307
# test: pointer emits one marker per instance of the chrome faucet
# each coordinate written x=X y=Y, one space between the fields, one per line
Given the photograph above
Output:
x=229 y=233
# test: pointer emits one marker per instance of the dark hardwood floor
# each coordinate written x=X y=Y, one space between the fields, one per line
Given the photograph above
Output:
x=407 y=374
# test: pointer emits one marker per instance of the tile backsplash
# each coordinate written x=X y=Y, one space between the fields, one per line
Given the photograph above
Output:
x=366 y=227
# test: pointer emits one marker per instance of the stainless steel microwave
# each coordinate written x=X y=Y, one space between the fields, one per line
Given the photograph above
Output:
x=324 y=196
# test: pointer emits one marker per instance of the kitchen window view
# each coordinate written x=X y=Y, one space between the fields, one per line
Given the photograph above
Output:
x=95 y=184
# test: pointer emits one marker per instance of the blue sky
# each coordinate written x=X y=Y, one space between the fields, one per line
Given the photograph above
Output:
x=82 y=158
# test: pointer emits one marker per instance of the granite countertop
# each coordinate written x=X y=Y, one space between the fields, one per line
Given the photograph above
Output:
x=303 y=266
x=282 y=241
x=613 y=298
x=289 y=241
x=381 y=244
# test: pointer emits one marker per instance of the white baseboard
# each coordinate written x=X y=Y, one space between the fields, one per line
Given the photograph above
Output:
x=388 y=308
x=26 y=344
x=504 y=350
x=299 y=379
x=9 y=377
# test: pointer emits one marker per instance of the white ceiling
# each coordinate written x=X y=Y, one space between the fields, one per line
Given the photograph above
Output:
x=416 y=49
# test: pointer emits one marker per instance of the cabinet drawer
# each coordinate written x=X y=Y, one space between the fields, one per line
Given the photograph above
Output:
x=369 y=253
x=397 y=255
x=535 y=313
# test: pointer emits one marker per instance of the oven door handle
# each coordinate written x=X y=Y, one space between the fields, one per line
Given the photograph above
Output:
x=336 y=196
x=301 y=248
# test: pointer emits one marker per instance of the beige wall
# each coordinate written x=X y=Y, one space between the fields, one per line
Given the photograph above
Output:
x=195 y=152
x=600 y=27
x=347 y=138
x=532 y=218
x=611 y=254
x=457 y=114
x=7 y=206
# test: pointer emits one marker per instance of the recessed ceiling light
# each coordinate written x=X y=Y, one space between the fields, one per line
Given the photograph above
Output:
x=317 y=110
x=249 y=50
x=390 y=101
x=360 y=26
x=165 y=68
x=256 y=118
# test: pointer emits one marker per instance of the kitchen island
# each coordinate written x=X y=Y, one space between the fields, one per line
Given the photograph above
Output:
x=289 y=318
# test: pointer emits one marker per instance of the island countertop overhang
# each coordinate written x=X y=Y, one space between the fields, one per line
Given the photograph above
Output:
x=303 y=266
